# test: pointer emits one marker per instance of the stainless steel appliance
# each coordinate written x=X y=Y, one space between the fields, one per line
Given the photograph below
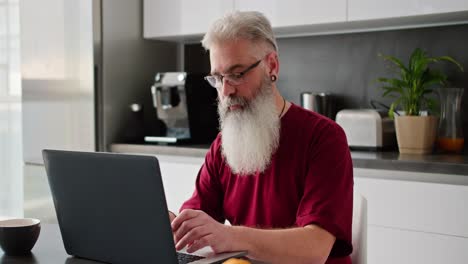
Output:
x=367 y=128
x=322 y=103
x=186 y=104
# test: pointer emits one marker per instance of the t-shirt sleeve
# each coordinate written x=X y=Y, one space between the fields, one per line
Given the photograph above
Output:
x=208 y=195
x=328 y=188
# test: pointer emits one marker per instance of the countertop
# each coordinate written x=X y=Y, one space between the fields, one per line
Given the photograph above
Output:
x=432 y=163
x=197 y=151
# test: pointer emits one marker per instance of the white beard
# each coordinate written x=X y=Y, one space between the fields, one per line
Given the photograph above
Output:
x=250 y=136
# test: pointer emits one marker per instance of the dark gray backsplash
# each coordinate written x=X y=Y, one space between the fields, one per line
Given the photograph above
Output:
x=347 y=65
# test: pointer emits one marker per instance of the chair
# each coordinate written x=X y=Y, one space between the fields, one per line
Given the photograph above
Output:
x=359 y=255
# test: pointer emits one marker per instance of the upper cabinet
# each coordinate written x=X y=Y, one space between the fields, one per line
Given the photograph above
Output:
x=189 y=20
x=378 y=9
x=175 y=18
x=178 y=19
x=296 y=12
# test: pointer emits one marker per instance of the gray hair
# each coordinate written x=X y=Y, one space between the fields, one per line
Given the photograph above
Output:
x=250 y=25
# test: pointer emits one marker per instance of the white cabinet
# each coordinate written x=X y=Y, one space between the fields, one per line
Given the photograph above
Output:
x=188 y=20
x=376 y=9
x=179 y=19
x=413 y=221
x=390 y=246
x=296 y=12
x=178 y=175
x=426 y=207
x=164 y=18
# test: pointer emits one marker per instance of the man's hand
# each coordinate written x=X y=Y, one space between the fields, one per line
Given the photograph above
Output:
x=196 y=229
x=172 y=216
x=310 y=244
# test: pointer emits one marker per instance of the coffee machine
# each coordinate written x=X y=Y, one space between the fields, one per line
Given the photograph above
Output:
x=187 y=106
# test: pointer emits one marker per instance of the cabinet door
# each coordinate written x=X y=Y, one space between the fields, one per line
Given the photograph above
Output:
x=375 y=9
x=296 y=12
x=418 y=206
x=390 y=246
x=181 y=17
x=178 y=175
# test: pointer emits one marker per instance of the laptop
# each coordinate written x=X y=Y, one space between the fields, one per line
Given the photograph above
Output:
x=112 y=208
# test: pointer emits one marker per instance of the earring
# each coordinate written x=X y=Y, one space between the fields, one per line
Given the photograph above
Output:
x=273 y=78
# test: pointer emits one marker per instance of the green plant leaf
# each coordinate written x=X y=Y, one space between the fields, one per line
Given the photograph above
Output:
x=391 y=89
x=433 y=77
x=418 y=63
x=414 y=82
x=392 y=109
x=448 y=59
x=396 y=83
x=432 y=105
x=395 y=61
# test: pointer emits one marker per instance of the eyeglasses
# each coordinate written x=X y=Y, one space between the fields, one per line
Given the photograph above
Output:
x=233 y=78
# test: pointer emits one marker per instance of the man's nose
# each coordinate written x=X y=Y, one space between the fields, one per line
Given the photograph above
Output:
x=227 y=89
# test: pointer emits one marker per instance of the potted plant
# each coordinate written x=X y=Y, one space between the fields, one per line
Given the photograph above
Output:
x=411 y=89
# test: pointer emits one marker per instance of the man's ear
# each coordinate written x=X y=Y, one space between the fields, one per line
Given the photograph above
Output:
x=273 y=63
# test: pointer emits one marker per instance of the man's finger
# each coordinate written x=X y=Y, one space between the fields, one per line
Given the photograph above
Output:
x=191 y=236
x=182 y=217
x=186 y=227
x=199 y=244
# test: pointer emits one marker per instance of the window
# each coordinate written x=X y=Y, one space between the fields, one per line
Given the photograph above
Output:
x=11 y=171
x=10 y=79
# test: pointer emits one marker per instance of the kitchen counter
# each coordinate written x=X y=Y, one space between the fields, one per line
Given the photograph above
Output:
x=433 y=163
x=197 y=151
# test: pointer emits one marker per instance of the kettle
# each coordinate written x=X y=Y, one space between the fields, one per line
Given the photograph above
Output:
x=321 y=103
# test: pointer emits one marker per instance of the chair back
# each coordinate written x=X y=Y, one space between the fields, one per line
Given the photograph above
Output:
x=359 y=233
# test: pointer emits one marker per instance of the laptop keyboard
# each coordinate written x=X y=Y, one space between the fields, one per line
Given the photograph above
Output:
x=187 y=258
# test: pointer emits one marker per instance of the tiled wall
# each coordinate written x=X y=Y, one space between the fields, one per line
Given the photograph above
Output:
x=347 y=65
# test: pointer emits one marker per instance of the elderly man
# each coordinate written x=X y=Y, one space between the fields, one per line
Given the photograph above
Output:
x=281 y=175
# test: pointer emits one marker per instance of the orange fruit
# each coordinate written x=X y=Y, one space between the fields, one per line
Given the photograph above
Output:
x=236 y=261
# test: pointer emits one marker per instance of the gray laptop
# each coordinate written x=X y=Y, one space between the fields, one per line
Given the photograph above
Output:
x=112 y=208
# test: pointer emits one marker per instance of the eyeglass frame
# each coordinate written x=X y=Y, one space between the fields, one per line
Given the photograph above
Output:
x=237 y=75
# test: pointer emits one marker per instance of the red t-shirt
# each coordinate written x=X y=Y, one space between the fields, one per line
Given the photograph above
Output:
x=309 y=181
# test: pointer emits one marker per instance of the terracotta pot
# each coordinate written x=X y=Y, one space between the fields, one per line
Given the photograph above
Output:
x=416 y=134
